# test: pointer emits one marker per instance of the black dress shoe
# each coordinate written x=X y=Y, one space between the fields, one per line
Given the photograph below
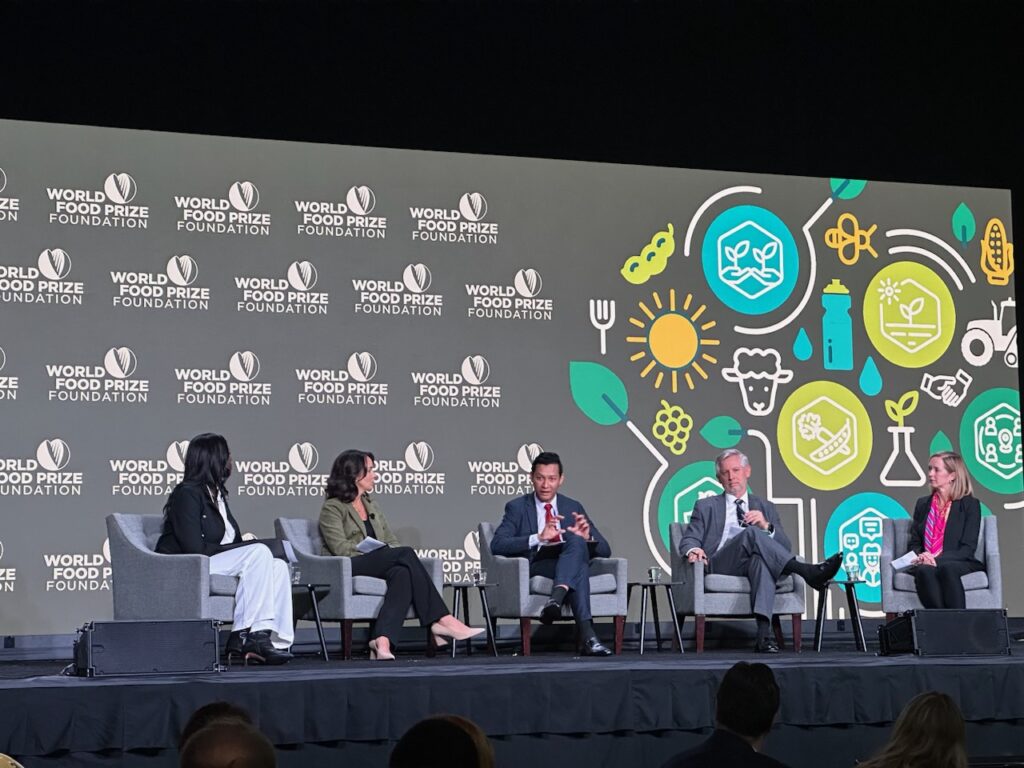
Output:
x=592 y=647
x=766 y=645
x=550 y=612
x=236 y=640
x=258 y=649
x=824 y=572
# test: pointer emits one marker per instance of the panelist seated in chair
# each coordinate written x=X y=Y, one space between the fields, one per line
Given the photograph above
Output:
x=739 y=534
x=348 y=517
x=944 y=533
x=534 y=523
x=198 y=521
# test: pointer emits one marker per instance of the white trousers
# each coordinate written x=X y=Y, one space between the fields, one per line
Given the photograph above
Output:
x=263 y=599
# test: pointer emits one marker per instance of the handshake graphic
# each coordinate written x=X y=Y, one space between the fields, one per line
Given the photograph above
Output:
x=951 y=390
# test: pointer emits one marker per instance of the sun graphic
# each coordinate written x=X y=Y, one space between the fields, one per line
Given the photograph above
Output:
x=673 y=340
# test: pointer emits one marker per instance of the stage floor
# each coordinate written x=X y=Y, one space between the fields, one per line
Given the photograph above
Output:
x=551 y=709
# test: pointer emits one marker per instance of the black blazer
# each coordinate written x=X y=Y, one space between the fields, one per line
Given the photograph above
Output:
x=962 y=529
x=192 y=523
x=723 y=750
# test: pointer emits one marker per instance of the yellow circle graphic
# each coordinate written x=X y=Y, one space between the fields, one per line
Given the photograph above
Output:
x=909 y=314
x=824 y=435
x=673 y=340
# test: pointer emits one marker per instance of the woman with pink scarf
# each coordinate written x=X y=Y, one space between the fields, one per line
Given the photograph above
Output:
x=944 y=533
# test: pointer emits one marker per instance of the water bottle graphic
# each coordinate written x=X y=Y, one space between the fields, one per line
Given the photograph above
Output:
x=836 y=327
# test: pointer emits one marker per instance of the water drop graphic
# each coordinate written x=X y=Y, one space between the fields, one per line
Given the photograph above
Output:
x=802 y=349
x=870 y=379
x=940 y=442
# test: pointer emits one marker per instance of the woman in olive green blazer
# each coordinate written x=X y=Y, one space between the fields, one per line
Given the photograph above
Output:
x=349 y=515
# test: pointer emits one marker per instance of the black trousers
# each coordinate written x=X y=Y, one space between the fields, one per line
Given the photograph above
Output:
x=408 y=584
x=572 y=568
x=939 y=586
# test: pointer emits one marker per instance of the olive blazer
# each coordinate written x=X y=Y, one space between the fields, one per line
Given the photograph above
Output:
x=342 y=529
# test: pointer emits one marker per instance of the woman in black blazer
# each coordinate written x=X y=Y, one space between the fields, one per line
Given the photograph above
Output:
x=944 y=533
x=197 y=521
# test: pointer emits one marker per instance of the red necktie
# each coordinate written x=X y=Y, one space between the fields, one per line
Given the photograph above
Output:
x=549 y=517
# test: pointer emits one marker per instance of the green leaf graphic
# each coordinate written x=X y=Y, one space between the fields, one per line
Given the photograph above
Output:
x=598 y=392
x=847 y=189
x=964 y=225
x=722 y=432
x=940 y=443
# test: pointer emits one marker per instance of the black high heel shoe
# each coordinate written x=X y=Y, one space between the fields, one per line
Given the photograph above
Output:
x=258 y=649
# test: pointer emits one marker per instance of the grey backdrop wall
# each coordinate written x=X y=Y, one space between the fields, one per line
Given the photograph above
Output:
x=456 y=313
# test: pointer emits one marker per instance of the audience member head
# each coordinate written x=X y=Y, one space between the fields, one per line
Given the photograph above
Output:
x=208 y=461
x=929 y=733
x=348 y=468
x=443 y=741
x=228 y=745
x=947 y=474
x=214 y=712
x=748 y=698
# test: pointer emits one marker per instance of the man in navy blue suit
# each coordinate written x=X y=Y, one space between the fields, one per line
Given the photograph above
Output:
x=554 y=533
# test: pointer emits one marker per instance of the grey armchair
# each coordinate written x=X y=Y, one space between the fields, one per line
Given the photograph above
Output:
x=701 y=595
x=351 y=598
x=983 y=589
x=518 y=596
x=148 y=585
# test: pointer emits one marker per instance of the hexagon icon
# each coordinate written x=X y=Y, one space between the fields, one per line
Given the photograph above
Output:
x=750 y=259
x=909 y=314
x=997 y=442
x=824 y=435
x=701 y=489
x=861 y=540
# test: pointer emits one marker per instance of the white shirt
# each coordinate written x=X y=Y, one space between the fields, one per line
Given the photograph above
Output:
x=732 y=525
x=542 y=518
x=229 y=529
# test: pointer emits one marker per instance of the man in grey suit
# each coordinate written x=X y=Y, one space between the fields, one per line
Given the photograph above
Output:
x=739 y=534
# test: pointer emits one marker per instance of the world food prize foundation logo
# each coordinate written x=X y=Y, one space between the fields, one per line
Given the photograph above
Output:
x=293 y=476
x=174 y=288
x=292 y=294
x=8 y=575
x=112 y=382
x=518 y=301
x=326 y=218
x=352 y=385
x=408 y=296
x=8 y=384
x=46 y=473
x=235 y=385
x=465 y=389
x=9 y=206
x=113 y=206
x=79 y=572
x=235 y=214
x=497 y=477
x=412 y=475
x=464 y=224
x=44 y=283
x=148 y=476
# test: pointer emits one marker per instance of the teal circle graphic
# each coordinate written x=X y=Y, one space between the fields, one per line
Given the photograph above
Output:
x=990 y=440
x=682 y=491
x=750 y=259
x=855 y=527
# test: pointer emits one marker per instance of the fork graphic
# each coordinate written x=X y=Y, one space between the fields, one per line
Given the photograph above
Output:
x=602 y=317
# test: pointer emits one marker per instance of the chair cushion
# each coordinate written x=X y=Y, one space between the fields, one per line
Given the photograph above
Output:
x=223 y=585
x=599 y=585
x=368 y=585
x=904 y=582
x=717 y=582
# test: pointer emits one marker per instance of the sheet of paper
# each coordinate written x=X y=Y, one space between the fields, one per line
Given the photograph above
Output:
x=369 y=544
x=902 y=563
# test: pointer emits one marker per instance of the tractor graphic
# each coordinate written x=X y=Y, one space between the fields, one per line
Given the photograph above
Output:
x=985 y=337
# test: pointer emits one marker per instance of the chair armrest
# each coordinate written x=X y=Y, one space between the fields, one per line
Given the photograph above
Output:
x=435 y=569
x=616 y=566
x=512 y=575
x=688 y=587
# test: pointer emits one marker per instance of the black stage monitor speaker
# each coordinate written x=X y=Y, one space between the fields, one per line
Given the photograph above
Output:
x=146 y=648
x=946 y=632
